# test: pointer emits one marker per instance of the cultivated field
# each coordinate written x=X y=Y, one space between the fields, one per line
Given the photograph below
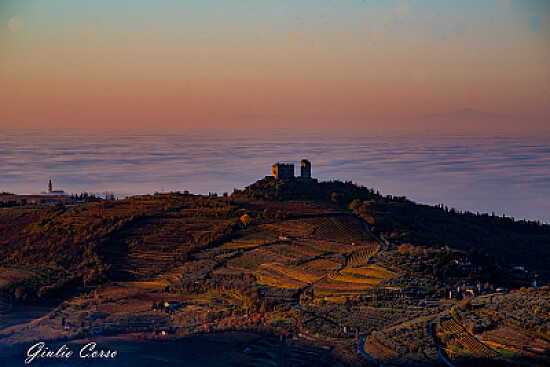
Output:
x=305 y=274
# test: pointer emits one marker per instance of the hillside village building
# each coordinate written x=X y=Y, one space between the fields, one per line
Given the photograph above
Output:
x=51 y=191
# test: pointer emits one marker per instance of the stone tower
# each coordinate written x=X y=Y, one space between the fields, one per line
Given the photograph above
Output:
x=305 y=169
x=283 y=171
x=50 y=186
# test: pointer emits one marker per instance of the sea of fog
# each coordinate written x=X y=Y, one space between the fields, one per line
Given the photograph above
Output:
x=505 y=174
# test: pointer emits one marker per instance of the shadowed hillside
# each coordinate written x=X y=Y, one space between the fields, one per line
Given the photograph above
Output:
x=499 y=243
x=330 y=270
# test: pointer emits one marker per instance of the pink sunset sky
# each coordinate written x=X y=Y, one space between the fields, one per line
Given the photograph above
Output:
x=329 y=64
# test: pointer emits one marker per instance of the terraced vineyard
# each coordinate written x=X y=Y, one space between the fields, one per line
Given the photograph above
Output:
x=166 y=266
x=307 y=252
x=508 y=339
x=322 y=265
x=279 y=280
x=293 y=272
x=327 y=288
x=344 y=278
x=352 y=280
x=465 y=339
x=292 y=252
x=378 y=349
x=369 y=271
x=362 y=255
x=250 y=241
x=153 y=245
x=345 y=229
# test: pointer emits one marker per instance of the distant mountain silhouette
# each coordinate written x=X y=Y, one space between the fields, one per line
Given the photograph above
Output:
x=465 y=113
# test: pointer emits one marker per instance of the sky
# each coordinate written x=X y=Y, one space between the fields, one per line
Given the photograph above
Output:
x=130 y=64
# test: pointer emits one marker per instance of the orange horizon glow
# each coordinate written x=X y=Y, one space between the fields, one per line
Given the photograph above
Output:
x=95 y=64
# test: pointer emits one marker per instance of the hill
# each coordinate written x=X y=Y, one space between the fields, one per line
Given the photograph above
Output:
x=337 y=267
x=497 y=243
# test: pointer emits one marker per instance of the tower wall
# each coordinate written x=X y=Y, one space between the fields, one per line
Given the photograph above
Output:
x=283 y=170
x=305 y=169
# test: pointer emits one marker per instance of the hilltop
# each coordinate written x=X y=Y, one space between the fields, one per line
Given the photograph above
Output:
x=300 y=270
x=499 y=243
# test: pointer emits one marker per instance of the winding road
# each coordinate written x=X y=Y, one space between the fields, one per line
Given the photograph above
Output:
x=360 y=343
x=363 y=337
x=439 y=352
x=361 y=349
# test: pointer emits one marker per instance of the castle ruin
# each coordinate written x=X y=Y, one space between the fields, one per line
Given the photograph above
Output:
x=285 y=171
x=305 y=166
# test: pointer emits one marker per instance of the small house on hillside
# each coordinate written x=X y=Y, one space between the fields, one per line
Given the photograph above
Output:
x=172 y=305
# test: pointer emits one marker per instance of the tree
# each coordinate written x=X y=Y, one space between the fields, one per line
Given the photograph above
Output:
x=336 y=197
x=355 y=204
x=405 y=248
x=245 y=219
x=20 y=294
